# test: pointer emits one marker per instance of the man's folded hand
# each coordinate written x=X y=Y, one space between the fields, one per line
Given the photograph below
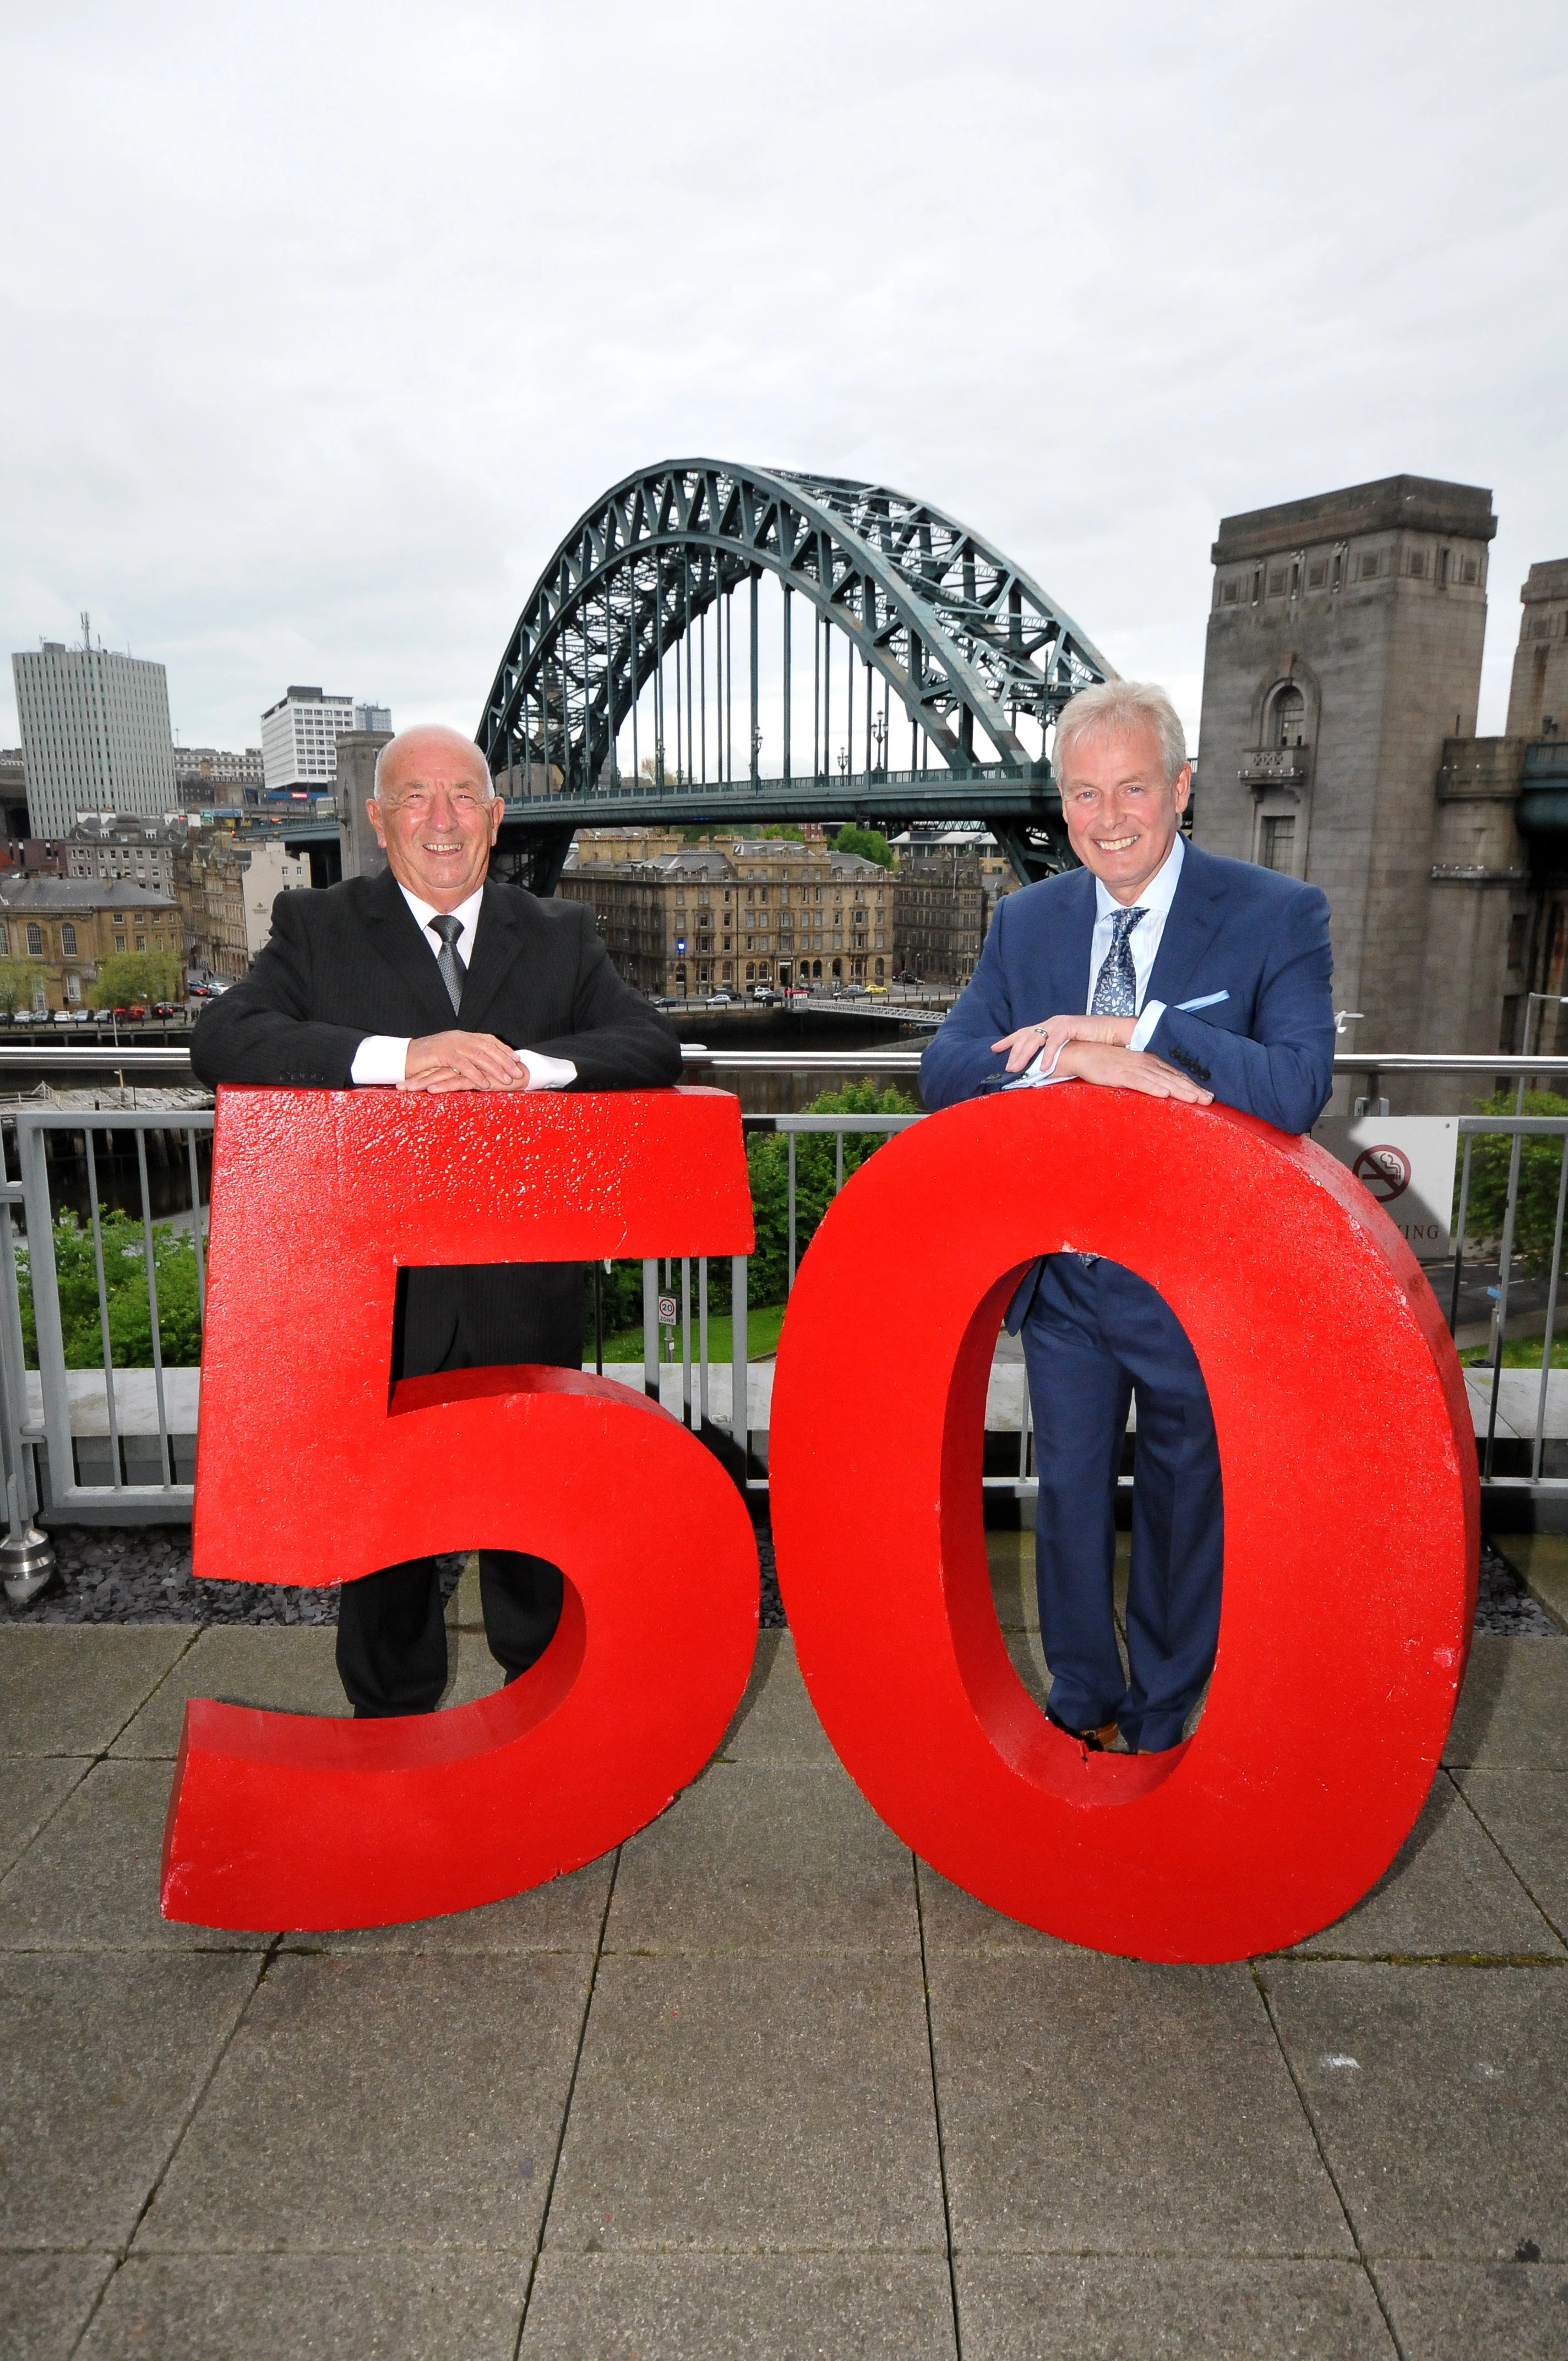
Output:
x=1045 y=1040
x=1129 y=1070
x=462 y=1061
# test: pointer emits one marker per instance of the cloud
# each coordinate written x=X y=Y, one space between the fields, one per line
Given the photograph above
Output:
x=327 y=323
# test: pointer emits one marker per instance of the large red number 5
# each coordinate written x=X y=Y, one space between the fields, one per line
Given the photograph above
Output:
x=313 y=1469
x=1351 y=1508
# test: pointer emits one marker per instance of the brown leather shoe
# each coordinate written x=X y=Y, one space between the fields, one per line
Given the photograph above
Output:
x=1095 y=1741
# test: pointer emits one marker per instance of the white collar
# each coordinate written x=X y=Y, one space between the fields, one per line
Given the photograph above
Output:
x=467 y=913
x=1158 y=894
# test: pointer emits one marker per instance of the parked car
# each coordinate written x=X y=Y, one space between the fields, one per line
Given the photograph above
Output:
x=82 y=1016
x=765 y=992
x=165 y=1008
x=721 y=1000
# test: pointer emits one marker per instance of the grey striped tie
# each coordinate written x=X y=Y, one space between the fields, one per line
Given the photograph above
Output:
x=452 y=968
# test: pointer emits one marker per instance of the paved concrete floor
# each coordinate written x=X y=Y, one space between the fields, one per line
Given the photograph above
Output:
x=760 y=2085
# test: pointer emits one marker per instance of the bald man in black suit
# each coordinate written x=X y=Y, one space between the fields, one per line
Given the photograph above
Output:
x=429 y=977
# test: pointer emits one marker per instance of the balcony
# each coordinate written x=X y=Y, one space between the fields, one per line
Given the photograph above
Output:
x=1275 y=766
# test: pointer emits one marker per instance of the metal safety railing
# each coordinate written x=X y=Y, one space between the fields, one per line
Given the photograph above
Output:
x=101 y=1287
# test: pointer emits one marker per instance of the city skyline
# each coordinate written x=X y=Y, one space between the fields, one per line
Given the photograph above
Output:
x=329 y=422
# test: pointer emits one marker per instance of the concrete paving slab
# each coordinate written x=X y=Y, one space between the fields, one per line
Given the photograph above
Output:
x=1441 y=2098
x=1513 y=1708
x=90 y=1882
x=955 y=1922
x=45 y=2300
x=418 y=2307
x=1453 y=2312
x=563 y=1916
x=766 y=1857
x=104 y=2058
x=1527 y=1814
x=1112 y=2106
x=31 y=1788
x=464 y=1611
x=404 y=2101
x=739 y=2308
x=1034 y=2308
x=775 y=1720
x=739 y=2103
x=69 y=1688
x=285 y=1667
x=1449 y=1894
x=1542 y=1561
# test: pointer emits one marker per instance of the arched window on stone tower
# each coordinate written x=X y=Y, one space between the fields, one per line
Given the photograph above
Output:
x=1288 y=717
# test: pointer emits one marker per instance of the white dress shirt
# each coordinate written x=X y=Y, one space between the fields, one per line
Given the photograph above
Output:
x=1155 y=901
x=383 y=1056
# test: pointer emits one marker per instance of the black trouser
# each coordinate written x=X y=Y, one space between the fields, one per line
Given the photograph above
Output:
x=392 y=1633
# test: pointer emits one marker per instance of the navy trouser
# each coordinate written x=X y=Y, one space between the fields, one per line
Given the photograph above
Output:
x=1095 y=1336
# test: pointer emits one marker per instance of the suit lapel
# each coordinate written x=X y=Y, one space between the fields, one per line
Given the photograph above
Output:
x=1071 y=942
x=498 y=943
x=394 y=933
x=1196 y=910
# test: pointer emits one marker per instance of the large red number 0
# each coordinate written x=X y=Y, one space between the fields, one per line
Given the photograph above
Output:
x=313 y=1470
x=1350 y=1519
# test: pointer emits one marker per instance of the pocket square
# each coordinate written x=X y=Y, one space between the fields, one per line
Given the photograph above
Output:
x=1209 y=1000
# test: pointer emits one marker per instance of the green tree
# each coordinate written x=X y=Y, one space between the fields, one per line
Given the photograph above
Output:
x=869 y=843
x=1540 y=1167
x=18 y=978
x=125 y=1293
x=136 y=979
x=767 y=1158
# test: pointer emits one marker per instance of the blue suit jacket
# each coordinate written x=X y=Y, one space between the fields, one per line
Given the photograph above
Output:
x=1260 y=938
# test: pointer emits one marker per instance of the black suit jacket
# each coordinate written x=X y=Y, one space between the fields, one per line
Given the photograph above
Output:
x=351 y=961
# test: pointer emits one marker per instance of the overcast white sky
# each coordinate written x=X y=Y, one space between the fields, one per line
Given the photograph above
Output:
x=321 y=325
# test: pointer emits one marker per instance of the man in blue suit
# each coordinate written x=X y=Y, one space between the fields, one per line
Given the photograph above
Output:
x=1158 y=968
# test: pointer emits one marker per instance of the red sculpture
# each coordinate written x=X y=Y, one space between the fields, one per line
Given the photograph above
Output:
x=313 y=1466
x=1351 y=1503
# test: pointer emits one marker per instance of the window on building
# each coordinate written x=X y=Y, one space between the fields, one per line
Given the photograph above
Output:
x=141 y=942
x=1277 y=842
x=1417 y=563
x=1287 y=720
x=1472 y=569
x=1276 y=581
x=1371 y=562
x=5 y=942
x=68 y=940
x=35 y=941
x=1519 y=927
x=1229 y=592
x=119 y=942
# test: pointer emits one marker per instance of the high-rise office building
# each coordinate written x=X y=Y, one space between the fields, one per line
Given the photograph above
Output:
x=95 y=733
x=373 y=717
x=299 y=739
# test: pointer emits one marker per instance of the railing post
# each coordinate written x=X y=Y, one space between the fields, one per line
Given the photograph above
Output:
x=740 y=1426
x=650 y=1328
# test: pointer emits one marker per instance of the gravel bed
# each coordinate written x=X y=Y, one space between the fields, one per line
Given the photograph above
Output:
x=141 y=1573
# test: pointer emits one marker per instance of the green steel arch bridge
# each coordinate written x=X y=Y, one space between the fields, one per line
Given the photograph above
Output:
x=726 y=646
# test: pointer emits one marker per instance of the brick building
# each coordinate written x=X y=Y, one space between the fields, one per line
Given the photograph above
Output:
x=749 y=912
x=62 y=928
x=939 y=911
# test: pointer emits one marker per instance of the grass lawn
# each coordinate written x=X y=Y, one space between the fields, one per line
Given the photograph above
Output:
x=1520 y=1353
x=763 y=1321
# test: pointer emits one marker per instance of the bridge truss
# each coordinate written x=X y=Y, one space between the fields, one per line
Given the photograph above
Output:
x=630 y=647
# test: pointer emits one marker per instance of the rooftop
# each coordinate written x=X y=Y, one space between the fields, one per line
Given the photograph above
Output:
x=21 y=894
x=1417 y=503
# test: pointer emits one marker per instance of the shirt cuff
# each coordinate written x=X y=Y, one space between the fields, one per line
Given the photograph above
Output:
x=1143 y=1031
x=545 y=1073
x=381 y=1057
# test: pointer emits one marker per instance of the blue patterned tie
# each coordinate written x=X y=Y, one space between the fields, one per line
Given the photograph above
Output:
x=1116 y=989
x=452 y=970
x=1116 y=985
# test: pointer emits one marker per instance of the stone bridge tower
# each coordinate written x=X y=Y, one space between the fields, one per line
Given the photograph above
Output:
x=1344 y=648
